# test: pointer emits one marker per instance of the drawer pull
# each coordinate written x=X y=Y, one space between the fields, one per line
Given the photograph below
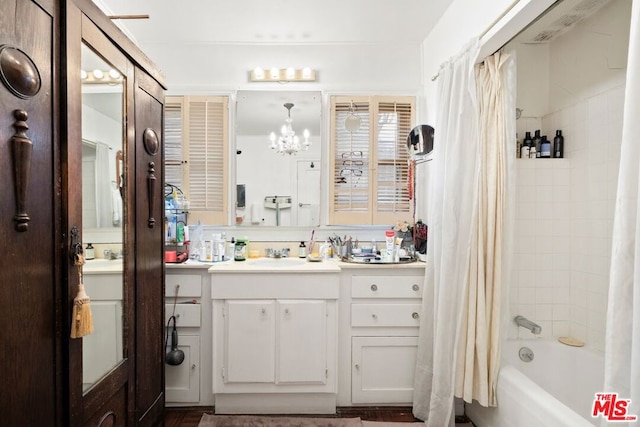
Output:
x=415 y=315
x=374 y=288
x=415 y=288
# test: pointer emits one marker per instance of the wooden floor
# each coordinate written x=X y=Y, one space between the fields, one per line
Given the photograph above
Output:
x=190 y=417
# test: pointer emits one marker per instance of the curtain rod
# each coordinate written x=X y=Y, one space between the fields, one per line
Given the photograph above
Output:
x=486 y=30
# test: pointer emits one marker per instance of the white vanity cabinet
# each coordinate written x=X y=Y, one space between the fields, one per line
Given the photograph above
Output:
x=104 y=285
x=183 y=298
x=275 y=340
x=380 y=309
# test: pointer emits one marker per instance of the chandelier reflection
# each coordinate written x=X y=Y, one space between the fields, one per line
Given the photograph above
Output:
x=288 y=142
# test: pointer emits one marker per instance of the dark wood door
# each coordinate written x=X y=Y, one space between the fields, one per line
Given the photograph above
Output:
x=31 y=297
x=106 y=398
x=149 y=291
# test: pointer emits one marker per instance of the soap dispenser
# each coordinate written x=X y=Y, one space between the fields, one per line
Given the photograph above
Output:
x=90 y=252
x=302 y=250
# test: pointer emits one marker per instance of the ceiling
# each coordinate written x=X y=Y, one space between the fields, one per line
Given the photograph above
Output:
x=281 y=23
x=277 y=21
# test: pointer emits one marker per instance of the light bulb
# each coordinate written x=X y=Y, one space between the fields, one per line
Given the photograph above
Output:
x=291 y=73
x=274 y=73
x=114 y=74
x=83 y=75
x=98 y=74
x=306 y=134
x=306 y=73
x=258 y=73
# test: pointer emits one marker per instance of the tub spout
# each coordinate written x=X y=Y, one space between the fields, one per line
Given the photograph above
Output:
x=528 y=324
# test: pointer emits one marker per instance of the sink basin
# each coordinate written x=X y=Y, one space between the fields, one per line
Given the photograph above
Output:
x=102 y=265
x=277 y=262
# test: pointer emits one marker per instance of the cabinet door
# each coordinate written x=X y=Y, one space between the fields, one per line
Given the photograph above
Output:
x=382 y=369
x=250 y=341
x=302 y=343
x=182 y=382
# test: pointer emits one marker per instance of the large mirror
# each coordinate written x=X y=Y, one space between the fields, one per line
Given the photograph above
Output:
x=278 y=185
x=103 y=181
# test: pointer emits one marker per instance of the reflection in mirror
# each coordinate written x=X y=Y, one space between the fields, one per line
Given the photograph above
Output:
x=102 y=208
x=279 y=188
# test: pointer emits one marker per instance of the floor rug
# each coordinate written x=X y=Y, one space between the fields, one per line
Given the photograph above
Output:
x=209 y=420
x=255 y=421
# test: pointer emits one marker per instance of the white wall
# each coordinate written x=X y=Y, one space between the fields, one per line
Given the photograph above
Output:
x=565 y=206
x=377 y=67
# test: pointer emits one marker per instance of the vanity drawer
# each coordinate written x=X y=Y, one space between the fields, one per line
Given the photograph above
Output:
x=386 y=286
x=379 y=315
x=190 y=285
x=187 y=315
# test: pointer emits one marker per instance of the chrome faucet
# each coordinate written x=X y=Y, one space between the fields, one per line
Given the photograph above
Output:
x=528 y=324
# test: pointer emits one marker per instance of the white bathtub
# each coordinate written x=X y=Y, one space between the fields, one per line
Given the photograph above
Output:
x=556 y=389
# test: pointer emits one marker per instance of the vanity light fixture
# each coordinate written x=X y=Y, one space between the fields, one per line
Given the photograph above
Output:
x=282 y=75
x=96 y=76
x=288 y=142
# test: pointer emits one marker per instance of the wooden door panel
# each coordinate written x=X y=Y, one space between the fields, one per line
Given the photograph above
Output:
x=30 y=294
x=149 y=282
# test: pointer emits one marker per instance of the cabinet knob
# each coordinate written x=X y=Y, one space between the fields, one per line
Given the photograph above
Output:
x=415 y=288
x=375 y=316
x=286 y=311
x=193 y=366
x=357 y=366
x=263 y=311
x=374 y=288
x=415 y=315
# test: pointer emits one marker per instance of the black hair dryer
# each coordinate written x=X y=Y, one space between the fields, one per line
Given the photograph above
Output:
x=175 y=356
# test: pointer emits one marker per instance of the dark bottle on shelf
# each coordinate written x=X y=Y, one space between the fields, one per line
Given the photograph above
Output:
x=537 y=141
x=545 y=148
x=526 y=145
x=558 y=145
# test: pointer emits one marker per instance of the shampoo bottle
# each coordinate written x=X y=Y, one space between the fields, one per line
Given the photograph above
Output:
x=545 y=148
x=558 y=145
x=526 y=146
x=537 y=141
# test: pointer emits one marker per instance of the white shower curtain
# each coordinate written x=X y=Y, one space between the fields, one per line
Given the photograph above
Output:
x=622 y=340
x=451 y=220
x=479 y=343
x=469 y=235
x=104 y=205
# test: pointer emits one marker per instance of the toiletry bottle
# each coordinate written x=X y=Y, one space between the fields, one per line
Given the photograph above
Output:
x=537 y=140
x=302 y=250
x=90 y=252
x=240 y=253
x=558 y=145
x=231 y=247
x=526 y=146
x=533 y=153
x=545 y=148
x=389 y=236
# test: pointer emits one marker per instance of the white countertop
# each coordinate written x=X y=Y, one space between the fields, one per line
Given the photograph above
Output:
x=102 y=266
x=284 y=265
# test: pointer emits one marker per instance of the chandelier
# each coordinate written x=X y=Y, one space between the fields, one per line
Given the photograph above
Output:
x=288 y=142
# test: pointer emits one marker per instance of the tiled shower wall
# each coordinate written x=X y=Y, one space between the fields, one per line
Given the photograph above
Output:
x=564 y=221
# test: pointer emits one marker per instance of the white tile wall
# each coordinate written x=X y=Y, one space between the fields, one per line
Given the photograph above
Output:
x=564 y=221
